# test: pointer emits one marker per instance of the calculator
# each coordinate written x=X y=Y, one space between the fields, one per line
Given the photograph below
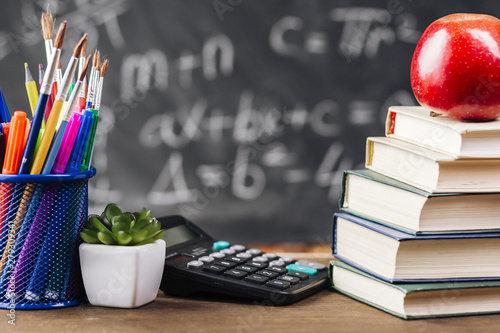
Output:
x=196 y=262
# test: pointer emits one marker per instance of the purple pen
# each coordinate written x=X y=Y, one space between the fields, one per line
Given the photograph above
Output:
x=68 y=142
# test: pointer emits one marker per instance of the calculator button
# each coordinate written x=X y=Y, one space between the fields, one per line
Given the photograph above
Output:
x=290 y=279
x=228 y=251
x=244 y=255
x=261 y=259
x=300 y=275
x=304 y=269
x=214 y=269
x=287 y=260
x=277 y=269
x=258 y=279
x=248 y=269
x=270 y=255
x=254 y=252
x=278 y=284
x=238 y=247
x=268 y=274
x=226 y=263
x=217 y=255
x=259 y=265
x=219 y=245
x=195 y=264
x=278 y=263
x=311 y=264
x=236 y=259
x=206 y=259
x=235 y=274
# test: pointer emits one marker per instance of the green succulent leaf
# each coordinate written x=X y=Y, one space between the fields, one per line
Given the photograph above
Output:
x=111 y=211
x=122 y=218
x=138 y=236
x=151 y=239
x=98 y=224
x=120 y=226
x=140 y=225
x=145 y=214
x=123 y=237
x=106 y=238
x=90 y=236
x=114 y=227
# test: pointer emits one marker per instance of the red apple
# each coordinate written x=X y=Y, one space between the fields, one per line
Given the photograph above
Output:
x=455 y=69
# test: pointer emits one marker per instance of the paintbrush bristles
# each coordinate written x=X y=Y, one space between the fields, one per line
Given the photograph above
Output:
x=98 y=65
x=47 y=26
x=83 y=51
x=78 y=47
x=60 y=35
x=94 y=59
x=85 y=68
x=104 y=67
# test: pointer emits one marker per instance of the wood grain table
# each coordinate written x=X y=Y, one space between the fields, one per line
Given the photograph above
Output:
x=326 y=311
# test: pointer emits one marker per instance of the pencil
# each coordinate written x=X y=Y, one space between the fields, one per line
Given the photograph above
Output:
x=31 y=89
x=42 y=102
x=50 y=128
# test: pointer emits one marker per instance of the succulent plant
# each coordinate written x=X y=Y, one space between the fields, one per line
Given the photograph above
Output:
x=114 y=227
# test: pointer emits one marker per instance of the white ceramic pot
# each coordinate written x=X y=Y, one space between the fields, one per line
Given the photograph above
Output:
x=122 y=276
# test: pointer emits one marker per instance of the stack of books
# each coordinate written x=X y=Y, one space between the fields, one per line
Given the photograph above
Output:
x=418 y=234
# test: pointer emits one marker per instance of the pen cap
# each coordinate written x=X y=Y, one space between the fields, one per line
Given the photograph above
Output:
x=80 y=142
x=15 y=144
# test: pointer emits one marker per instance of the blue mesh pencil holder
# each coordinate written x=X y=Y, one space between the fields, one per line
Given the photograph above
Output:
x=41 y=217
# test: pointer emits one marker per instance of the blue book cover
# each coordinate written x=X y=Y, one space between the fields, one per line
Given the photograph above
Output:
x=404 y=237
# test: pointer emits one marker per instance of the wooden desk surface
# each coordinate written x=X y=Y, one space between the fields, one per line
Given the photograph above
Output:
x=326 y=311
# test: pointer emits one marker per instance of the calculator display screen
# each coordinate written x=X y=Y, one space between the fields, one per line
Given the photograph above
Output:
x=179 y=234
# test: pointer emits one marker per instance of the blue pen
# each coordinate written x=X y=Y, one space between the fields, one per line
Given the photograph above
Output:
x=45 y=91
x=81 y=141
x=4 y=111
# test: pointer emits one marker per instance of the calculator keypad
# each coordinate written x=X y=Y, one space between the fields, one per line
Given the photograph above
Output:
x=254 y=266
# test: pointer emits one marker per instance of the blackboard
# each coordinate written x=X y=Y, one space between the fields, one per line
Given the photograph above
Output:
x=240 y=115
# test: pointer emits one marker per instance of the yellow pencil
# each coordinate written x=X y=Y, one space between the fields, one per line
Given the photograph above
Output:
x=31 y=89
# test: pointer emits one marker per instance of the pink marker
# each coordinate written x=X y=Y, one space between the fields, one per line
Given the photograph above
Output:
x=68 y=142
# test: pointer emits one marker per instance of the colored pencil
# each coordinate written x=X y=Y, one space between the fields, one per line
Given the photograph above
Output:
x=31 y=88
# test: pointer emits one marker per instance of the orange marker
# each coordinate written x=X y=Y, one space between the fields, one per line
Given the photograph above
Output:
x=15 y=144
x=12 y=161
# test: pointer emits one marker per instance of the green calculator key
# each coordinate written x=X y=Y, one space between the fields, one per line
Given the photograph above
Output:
x=303 y=269
x=220 y=245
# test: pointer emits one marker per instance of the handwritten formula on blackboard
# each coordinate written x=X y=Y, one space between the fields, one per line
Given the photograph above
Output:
x=240 y=115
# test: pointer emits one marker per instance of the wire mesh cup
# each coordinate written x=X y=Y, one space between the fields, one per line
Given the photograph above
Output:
x=41 y=217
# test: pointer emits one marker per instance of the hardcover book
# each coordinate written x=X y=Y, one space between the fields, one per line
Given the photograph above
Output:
x=429 y=170
x=382 y=199
x=459 y=138
x=398 y=257
x=416 y=300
